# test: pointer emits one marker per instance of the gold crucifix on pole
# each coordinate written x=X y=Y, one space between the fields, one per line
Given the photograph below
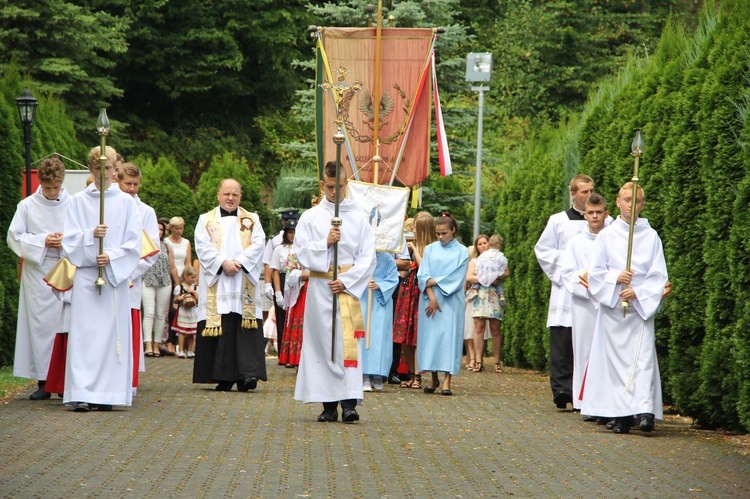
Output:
x=339 y=90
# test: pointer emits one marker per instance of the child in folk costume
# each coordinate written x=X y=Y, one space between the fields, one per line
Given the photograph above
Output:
x=278 y=268
x=186 y=319
x=295 y=296
x=405 y=326
x=269 y=333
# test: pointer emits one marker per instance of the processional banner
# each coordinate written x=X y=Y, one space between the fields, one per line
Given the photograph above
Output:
x=404 y=104
x=384 y=207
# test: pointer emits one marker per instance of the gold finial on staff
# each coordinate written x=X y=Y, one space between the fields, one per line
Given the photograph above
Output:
x=102 y=128
x=636 y=150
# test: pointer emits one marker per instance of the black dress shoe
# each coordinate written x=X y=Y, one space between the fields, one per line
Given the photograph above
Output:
x=40 y=394
x=393 y=379
x=610 y=423
x=589 y=419
x=81 y=407
x=447 y=393
x=349 y=415
x=250 y=383
x=328 y=416
x=646 y=422
x=602 y=421
x=622 y=425
x=224 y=386
x=562 y=399
x=103 y=407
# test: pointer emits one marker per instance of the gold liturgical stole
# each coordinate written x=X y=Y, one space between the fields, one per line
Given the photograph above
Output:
x=245 y=223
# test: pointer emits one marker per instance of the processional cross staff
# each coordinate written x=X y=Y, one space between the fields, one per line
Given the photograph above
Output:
x=636 y=150
x=339 y=90
x=102 y=128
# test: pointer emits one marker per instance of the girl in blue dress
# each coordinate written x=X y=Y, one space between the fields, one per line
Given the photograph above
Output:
x=441 y=305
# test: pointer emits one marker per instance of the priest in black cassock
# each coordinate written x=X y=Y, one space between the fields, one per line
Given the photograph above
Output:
x=229 y=242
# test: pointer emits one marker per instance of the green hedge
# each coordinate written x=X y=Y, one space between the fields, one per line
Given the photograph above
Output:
x=691 y=99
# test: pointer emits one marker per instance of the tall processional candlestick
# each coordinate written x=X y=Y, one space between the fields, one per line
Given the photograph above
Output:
x=102 y=128
x=636 y=150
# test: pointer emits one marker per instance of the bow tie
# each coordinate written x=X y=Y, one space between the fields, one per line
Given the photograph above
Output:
x=225 y=213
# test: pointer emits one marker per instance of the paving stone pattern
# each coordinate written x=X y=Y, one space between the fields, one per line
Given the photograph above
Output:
x=499 y=435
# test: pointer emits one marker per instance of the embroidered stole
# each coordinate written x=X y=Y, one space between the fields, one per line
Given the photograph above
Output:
x=214 y=230
x=352 y=322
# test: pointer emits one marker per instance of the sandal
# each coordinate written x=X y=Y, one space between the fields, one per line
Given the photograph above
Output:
x=407 y=383
x=156 y=353
x=478 y=367
x=471 y=365
x=498 y=368
x=416 y=382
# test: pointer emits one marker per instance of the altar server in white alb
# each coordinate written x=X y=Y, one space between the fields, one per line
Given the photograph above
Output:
x=99 y=366
x=129 y=180
x=319 y=378
x=623 y=374
x=561 y=227
x=35 y=234
x=575 y=268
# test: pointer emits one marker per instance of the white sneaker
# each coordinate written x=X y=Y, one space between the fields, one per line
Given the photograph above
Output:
x=190 y=355
x=377 y=383
x=181 y=355
x=366 y=386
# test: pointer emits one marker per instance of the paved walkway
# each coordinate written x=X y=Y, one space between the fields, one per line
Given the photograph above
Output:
x=499 y=435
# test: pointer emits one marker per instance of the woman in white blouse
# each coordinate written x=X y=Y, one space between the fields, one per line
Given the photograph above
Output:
x=182 y=254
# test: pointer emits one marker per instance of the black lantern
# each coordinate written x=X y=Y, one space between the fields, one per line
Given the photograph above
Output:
x=27 y=111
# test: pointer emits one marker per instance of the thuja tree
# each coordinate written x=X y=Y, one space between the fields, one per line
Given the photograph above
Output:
x=721 y=169
x=661 y=85
x=739 y=263
x=691 y=99
x=11 y=150
x=295 y=189
x=686 y=200
x=67 y=47
x=163 y=190
x=527 y=199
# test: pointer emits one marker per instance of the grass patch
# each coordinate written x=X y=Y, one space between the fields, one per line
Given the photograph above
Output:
x=9 y=384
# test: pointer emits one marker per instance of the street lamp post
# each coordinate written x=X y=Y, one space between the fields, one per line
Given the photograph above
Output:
x=27 y=111
x=478 y=69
